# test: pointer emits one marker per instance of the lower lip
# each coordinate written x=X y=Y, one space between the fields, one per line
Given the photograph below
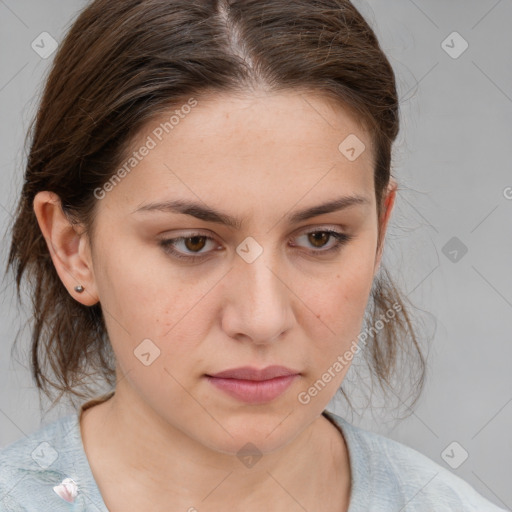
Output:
x=252 y=391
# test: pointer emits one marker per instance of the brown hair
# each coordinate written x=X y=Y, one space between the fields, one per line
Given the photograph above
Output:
x=123 y=64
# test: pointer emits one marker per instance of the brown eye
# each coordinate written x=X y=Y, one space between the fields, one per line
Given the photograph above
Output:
x=319 y=238
x=194 y=243
x=191 y=247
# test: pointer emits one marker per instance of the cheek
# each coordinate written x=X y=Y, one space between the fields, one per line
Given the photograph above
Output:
x=333 y=330
x=159 y=329
x=340 y=300
x=142 y=293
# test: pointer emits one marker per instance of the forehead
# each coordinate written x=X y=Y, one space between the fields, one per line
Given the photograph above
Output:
x=280 y=147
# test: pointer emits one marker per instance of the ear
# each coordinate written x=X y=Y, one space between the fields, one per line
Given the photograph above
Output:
x=388 y=203
x=70 y=251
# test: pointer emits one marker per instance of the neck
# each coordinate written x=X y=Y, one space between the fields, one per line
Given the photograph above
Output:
x=126 y=440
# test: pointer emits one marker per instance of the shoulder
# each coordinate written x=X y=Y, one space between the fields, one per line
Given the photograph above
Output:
x=31 y=466
x=387 y=473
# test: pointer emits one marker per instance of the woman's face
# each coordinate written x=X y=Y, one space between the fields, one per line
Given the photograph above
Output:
x=270 y=288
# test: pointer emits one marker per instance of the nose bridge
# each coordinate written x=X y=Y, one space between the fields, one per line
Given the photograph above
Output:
x=261 y=301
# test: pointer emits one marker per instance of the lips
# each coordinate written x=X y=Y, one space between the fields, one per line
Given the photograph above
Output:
x=254 y=386
x=250 y=373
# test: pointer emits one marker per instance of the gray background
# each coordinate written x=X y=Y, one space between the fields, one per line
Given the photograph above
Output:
x=453 y=162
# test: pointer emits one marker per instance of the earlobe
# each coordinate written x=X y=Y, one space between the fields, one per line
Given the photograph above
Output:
x=65 y=245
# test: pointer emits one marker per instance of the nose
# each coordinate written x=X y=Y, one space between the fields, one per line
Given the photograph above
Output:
x=260 y=304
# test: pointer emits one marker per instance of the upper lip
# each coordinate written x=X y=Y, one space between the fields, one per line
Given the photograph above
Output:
x=250 y=373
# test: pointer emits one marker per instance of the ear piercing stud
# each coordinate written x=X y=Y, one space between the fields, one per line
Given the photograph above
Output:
x=79 y=288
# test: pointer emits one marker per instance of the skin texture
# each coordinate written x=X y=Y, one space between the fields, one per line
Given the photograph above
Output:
x=173 y=435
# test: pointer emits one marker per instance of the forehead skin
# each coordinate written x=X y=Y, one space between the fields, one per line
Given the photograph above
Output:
x=257 y=156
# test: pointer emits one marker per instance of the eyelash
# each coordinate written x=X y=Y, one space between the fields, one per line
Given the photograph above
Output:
x=341 y=240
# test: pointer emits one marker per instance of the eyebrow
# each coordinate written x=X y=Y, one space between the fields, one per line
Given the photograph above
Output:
x=208 y=214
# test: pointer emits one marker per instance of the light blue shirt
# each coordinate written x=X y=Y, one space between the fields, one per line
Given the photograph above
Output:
x=386 y=475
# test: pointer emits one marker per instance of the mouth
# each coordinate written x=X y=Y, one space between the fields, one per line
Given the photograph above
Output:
x=254 y=386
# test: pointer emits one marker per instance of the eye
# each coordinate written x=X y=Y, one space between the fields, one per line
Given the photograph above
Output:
x=194 y=243
x=319 y=239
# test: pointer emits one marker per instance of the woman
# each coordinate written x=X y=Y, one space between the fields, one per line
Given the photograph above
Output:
x=203 y=217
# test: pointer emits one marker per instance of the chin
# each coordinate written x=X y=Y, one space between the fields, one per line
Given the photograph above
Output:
x=263 y=431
